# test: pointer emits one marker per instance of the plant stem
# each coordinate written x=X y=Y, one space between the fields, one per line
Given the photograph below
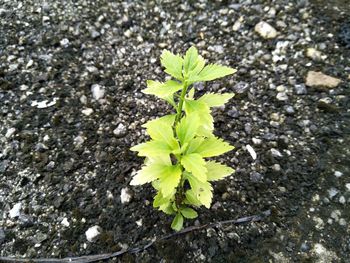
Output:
x=181 y=102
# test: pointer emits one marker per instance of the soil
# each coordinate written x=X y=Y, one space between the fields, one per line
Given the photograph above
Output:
x=65 y=158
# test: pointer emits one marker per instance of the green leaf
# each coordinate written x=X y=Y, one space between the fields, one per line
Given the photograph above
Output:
x=190 y=94
x=213 y=146
x=152 y=148
x=187 y=128
x=162 y=90
x=167 y=119
x=191 y=198
x=216 y=100
x=204 y=113
x=190 y=59
x=160 y=200
x=177 y=222
x=173 y=64
x=195 y=164
x=199 y=66
x=217 y=171
x=169 y=180
x=149 y=173
x=188 y=213
x=201 y=190
x=161 y=130
x=194 y=144
x=167 y=208
x=211 y=72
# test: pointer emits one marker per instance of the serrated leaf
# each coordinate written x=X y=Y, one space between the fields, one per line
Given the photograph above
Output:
x=161 y=130
x=152 y=148
x=169 y=180
x=204 y=113
x=173 y=64
x=149 y=173
x=216 y=100
x=187 y=128
x=160 y=159
x=162 y=90
x=167 y=119
x=177 y=222
x=201 y=190
x=188 y=213
x=211 y=72
x=194 y=144
x=217 y=171
x=199 y=66
x=195 y=164
x=213 y=146
x=190 y=59
x=167 y=208
x=159 y=200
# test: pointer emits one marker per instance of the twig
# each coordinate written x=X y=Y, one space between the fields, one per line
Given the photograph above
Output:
x=94 y=258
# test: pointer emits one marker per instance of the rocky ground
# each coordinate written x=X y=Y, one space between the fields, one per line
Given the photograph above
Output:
x=70 y=79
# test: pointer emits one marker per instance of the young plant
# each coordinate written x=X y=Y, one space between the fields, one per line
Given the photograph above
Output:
x=175 y=155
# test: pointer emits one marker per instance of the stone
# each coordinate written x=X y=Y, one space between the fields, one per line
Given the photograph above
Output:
x=65 y=222
x=319 y=80
x=120 y=131
x=64 y=42
x=93 y=233
x=256 y=141
x=94 y=34
x=233 y=112
x=15 y=211
x=300 y=89
x=338 y=174
x=275 y=153
x=251 y=151
x=348 y=187
x=10 y=132
x=342 y=200
x=125 y=195
x=256 y=177
x=87 y=111
x=241 y=88
x=332 y=192
x=289 y=109
x=282 y=96
x=98 y=91
x=265 y=30
x=315 y=54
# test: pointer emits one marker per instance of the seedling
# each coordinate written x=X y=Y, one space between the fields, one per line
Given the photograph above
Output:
x=176 y=154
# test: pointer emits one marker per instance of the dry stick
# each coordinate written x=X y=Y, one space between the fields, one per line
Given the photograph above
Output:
x=94 y=258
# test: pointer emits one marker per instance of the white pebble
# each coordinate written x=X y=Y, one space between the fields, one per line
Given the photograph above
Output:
x=98 y=91
x=342 y=200
x=120 y=130
x=338 y=174
x=10 y=132
x=265 y=30
x=87 y=111
x=92 y=233
x=332 y=192
x=251 y=151
x=64 y=42
x=15 y=211
x=65 y=222
x=125 y=196
x=347 y=186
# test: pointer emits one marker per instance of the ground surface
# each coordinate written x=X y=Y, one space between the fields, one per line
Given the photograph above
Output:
x=64 y=156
